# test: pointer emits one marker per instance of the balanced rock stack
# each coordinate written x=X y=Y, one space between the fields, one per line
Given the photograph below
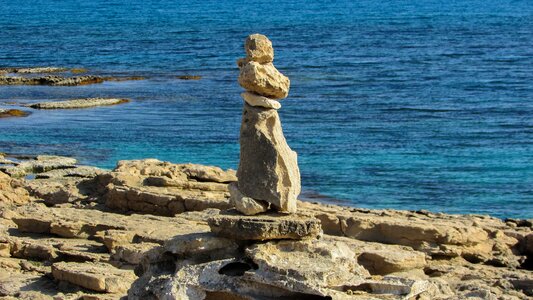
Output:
x=268 y=170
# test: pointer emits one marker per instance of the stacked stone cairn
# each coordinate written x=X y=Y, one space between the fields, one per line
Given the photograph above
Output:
x=268 y=170
x=268 y=183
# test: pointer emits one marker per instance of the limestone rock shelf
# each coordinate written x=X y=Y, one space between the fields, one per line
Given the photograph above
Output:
x=67 y=77
x=150 y=229
x=51 y=80
x=79 y=244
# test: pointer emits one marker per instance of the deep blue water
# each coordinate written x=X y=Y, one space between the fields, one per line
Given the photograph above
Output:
x=394 y=104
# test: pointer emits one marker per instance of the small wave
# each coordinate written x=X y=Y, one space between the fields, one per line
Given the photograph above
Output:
x=430 y=110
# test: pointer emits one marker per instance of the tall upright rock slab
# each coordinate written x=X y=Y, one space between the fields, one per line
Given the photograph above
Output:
x=268 y=168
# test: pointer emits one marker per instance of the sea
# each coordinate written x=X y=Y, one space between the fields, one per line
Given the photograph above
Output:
x=405 y=104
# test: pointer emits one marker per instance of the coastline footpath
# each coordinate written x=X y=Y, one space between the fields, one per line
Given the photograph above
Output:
x=79 y=232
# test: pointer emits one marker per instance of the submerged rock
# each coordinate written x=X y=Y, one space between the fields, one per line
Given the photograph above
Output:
x=7 y=113
x=78 y=103
x=51 y=80
x=34 y=70
x=189 y=77
x=56 y=80
x=78 y=70
x=268 y=168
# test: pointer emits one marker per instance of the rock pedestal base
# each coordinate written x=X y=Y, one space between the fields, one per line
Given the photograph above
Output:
x=272 y=226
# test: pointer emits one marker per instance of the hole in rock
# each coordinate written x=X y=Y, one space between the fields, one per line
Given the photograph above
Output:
x=302 y=296
x=433 y=272
x=223 y=296
x=528 y=263
x=472 y=258
x=365 y=287
x=237 y=268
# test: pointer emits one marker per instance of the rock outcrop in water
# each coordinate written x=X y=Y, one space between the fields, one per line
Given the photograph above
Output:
x=268 y=168
x=51 y=80
x=87 y=248
x=78 y=103
x=9 y=113
x=33 y=70
x=26 y=76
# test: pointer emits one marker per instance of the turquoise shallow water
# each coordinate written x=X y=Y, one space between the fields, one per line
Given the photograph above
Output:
x=394 y=104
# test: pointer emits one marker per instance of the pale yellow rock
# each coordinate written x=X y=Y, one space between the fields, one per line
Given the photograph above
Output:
x=409 y=255
x=256 y=100
x=83 y=223
x=5 y=250
x=265 y=80
x=132 y=253
x=114 y=238
x=259 y=48
x=154 y=167
x=384 y=261
x=245 y=205
x=98 y=277
x=163 y=188
x=268 y=168
x=11 y=191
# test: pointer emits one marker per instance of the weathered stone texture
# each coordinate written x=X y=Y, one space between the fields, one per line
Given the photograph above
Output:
x=265 y=227
x=243 y=204
x=268 y=168
x=259 y=48
x=264 y=79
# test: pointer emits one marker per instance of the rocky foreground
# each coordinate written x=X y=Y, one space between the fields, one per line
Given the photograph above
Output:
x=156 y=230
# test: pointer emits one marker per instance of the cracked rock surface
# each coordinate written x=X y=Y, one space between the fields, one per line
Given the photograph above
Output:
x=86 y=248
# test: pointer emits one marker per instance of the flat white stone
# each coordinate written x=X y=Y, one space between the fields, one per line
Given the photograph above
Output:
x=256 y=100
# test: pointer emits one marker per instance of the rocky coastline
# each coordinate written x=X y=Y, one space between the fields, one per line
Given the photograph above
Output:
x=79 y=232
x=150 y=229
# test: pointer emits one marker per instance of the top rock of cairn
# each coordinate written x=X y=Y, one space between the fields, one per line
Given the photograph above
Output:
x=259 y=49
x=268 y=174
